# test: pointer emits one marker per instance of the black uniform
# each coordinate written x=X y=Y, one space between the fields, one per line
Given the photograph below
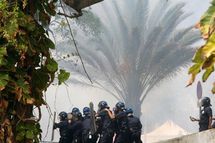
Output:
x=122 y=132
x=63 y=127
x=87 y=136
x=206 y=112
x=135 y=127
x=105 y=127
x=75 y=131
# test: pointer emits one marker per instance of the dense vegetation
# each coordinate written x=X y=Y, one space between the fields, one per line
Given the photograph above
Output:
x=26 y=67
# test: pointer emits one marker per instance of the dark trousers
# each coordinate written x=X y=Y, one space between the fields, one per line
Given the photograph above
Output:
x=106 y=137
x=203 y=127
x=77 y=139
x=89 y=138
x=122 y=137
x=64 y=140
x=135 y=137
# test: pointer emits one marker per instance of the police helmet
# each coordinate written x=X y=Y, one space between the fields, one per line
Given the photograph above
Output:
x=75 y=110
x=86 y=110
x=206 y=102
x=63 y=116
x=129 y=111
x=102 y=105
x=120 y=105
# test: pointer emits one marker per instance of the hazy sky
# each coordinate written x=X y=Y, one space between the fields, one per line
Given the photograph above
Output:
x=170 y=101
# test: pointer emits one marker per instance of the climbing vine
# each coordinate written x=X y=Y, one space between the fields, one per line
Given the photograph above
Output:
x=26 y=67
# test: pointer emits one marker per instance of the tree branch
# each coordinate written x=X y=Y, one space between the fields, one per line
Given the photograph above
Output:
x=76 y=48
x=71 y=16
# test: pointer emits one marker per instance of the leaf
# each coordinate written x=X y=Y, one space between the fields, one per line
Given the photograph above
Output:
x=10 y=27
x=209 y=62
x=195 y=69
x=207 y=20
x=52 y=65
x=4 y=78
x=197 y=58
x=40 y=79
x=22 y=90
x=24 y=85
x=3 y=61
x=3 y=53
x=22 y=47
x=26 y=21
x=20 y=136
x=191 y=80
x=30 y=101
x=63 y=76
x=49 y=43
x=207 y=73
x=20 y=127
x=3 y=104
x=209 y=47
x=29 y=134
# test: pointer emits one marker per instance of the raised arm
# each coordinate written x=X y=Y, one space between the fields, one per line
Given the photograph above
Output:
x=194 y=119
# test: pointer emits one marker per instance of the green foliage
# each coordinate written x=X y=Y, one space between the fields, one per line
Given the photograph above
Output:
x=26 y=66
x=4 y=78
x=63 y=76
x=27 y=131
x=204 y=58
x=52 y=65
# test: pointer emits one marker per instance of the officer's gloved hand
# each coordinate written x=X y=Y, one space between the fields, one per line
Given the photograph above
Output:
x=55 y=126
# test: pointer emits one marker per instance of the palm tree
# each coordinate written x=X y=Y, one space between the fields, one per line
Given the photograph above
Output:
x=139 y=47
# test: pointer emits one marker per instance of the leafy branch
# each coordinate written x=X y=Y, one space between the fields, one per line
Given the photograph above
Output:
x=204 y=58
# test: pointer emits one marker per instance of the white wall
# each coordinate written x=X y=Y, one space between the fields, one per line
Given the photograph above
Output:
x=202 y=137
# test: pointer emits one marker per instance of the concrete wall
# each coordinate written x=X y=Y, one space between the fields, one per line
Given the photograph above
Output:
x=202 y=137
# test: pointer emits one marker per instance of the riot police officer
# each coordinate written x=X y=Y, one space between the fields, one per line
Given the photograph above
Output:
x=205 y=120
x=105 y=124
x=122 y=132
x=87 y=134
x=76 y=113
x=75 y=127
x=86 y=112
x=63 y=127
x=135 y=127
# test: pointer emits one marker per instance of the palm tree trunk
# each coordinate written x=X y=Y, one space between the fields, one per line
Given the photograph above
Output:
x=134 y=103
